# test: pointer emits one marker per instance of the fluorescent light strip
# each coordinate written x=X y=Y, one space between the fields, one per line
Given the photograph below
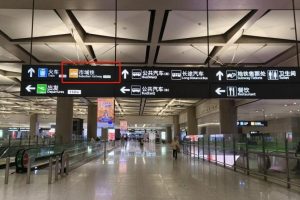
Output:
x=166 y=107
x=209 y=124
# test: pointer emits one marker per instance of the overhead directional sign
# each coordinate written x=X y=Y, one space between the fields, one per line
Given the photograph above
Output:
x=256 y=91
x=29 y=88
x=114 y=80
x=255 y=74
x=133 y=89
x=166 y=74
x=219 y=74
x=219 y=91
x=125 y=74
x=31 y=71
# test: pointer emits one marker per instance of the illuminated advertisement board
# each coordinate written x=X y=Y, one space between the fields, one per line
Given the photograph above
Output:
x=111 y=134
x=105 y=112
x=123 y=126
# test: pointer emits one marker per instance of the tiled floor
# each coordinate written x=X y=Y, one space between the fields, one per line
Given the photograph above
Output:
x=145 y=174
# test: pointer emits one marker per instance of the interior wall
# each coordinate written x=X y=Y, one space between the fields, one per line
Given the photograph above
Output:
x=183 y=117
x=277 y=127
x=208 y=107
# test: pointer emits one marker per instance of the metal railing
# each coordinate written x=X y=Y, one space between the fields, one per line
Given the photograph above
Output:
x=268 y=158
x=65 y=158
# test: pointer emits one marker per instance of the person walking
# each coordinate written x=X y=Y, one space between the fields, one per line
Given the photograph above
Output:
x=175 y=147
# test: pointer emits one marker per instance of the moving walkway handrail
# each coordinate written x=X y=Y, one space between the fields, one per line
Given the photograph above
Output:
x=4 y=152
x=23 y=155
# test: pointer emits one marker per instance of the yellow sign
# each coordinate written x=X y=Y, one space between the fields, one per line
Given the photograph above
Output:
x=73 y=73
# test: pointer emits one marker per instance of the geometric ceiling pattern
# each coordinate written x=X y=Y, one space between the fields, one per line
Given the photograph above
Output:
x=149 y=33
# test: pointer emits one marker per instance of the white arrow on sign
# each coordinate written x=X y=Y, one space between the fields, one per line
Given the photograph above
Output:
x=125 y=73
x=29 y=88
x=219 y=75
x=31 y=71
x=219 y=91
x=124 y=90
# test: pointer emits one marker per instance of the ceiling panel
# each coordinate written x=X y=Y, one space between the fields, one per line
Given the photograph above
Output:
x=12 y=67
x=131 y=24
x=6 y=81
x=56 y=52
x=125 y=53
x=17 y=23
x=269 y=109
x=189 y=24
x=243 y=53
x=275 y=24
x=183 y=54
x=291 y=62
x=6 y=56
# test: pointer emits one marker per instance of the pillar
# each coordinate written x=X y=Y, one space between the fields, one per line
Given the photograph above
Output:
x=34 y=124
x=92 y=121
x=169 y=134
x=64 y=120
x=228 y=117
x=176 y=126
x=192 y=126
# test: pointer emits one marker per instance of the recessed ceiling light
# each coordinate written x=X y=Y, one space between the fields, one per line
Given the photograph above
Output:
x=295 y=103
x=285 y=105
x=291 y=111
x=256 y=111
x=298 y=110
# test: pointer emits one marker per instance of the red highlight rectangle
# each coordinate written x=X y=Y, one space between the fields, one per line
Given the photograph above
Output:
x=91 y=62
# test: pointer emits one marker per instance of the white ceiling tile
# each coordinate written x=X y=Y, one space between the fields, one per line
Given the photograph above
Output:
x=244 y=53
x=12 y=67
x=276 y=24
x=189 y=24
x=6 y=56
x=131 y=24
x=17 y=23
x=56 y=52
x=125 y=53
x=6 y=81
x=182 y=54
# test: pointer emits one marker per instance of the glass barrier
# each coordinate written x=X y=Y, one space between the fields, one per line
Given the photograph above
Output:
x=273 y=158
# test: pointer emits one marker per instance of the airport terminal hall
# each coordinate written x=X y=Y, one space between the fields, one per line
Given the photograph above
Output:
x=149 y=99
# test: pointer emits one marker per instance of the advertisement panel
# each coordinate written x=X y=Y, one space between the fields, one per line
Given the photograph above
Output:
x=123 y=126
x=105 y=112
x=111 y=134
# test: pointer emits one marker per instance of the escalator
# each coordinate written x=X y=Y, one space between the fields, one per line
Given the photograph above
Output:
x=39 y=157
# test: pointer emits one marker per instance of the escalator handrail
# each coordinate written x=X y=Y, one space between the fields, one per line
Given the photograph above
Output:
x=4 y=152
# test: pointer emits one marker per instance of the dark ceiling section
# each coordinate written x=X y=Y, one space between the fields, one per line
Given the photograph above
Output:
x=160 y=33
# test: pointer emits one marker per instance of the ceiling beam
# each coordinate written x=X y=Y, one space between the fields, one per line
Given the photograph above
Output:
x=248 y=39
x=77 y=31
x=16 y=50
x=146 y=4
x=65 y=38
x=93 y=39
x=286 y=55
x=90 y=39
x=155 y=38
x=235 y=33
x=214 y=39
x=9 y=74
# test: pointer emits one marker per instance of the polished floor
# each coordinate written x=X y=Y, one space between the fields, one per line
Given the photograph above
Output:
x=148 y=173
